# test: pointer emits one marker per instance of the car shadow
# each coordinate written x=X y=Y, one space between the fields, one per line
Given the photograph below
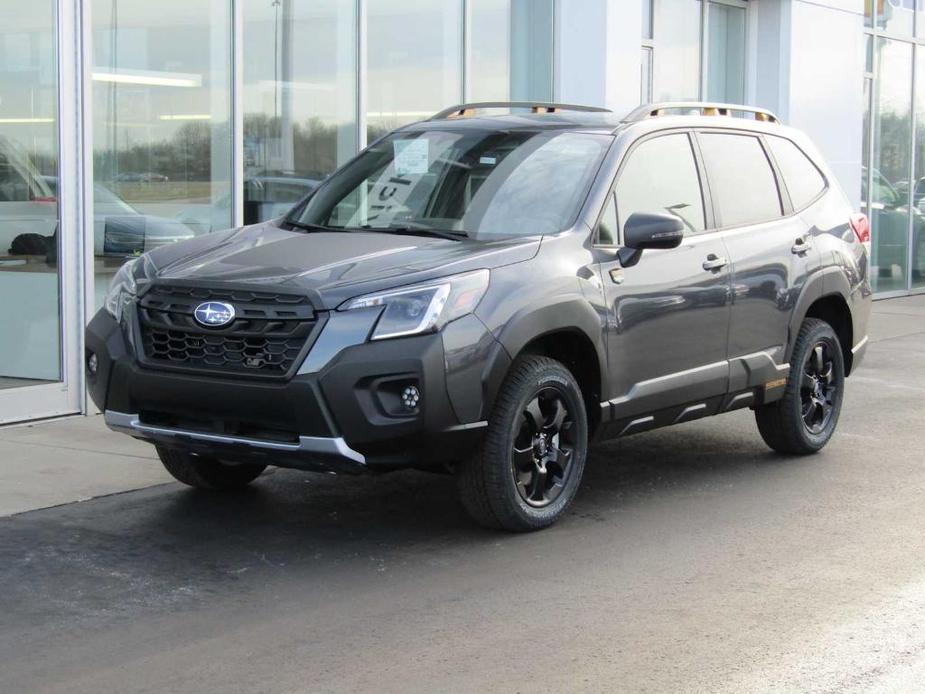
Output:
x=169 y=544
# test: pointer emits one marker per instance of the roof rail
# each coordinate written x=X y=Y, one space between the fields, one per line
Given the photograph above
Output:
x=705 y=108
x=468 y=110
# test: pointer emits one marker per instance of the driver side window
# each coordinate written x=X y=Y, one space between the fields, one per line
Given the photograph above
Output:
x=661 y=177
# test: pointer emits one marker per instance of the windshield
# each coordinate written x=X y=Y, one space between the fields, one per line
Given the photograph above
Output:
x=484 y=184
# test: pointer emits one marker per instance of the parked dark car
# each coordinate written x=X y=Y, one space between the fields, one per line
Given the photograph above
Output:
x=29 y=219
x=890 y=212
x=120 y=230
x=266 y=196
x=487 y=295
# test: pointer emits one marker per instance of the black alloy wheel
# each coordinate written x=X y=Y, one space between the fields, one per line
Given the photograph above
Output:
x=544 y=448
x=819 y=388
x=529 y=465
x=803 y=420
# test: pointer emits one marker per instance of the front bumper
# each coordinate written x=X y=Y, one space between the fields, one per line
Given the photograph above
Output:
x=339 y=413
x=327 y=451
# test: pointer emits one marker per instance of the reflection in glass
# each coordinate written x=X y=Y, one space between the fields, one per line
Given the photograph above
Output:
x=726 y=54
x=661 y=177
x=411 y=74
x=918 y=195
x=531 y=49
x=677 y=63
x=29 y=283
x=647 y=19
x=511 y=50
x=161 y=125
x=895 y=16
x=890 y=187
x=299 y=99
x=645 y=76
x=473 y=184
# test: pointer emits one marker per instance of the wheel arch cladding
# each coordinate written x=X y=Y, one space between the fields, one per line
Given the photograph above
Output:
x=833 y=309
x=544 y=332
x=824 y=297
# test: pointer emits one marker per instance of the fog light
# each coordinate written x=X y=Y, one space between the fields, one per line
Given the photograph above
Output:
x=410 y=397
x=93 y=363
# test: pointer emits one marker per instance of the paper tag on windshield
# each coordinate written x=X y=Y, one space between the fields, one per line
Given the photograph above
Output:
x=411 y=156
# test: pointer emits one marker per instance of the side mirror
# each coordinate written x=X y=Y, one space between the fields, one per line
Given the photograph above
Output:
x=649 y=230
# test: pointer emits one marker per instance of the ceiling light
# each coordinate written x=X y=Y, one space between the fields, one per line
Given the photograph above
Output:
x=147 y=77
x=186 y=116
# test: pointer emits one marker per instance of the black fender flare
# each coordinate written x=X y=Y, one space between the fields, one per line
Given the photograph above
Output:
x=568 y=314
x=830 y=281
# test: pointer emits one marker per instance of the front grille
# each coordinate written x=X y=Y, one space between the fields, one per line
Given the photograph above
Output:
x=268 y=336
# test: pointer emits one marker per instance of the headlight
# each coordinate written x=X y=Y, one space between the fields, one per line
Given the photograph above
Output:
x=122 y=289
x=425 y=307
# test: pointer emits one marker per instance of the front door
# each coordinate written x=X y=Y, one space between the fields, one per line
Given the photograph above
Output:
x=669 y=312
x=39 y=355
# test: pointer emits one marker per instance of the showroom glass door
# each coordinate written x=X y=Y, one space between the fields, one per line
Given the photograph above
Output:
x=38 y=263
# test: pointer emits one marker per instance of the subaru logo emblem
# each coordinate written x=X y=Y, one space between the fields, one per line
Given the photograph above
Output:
x=214 y=314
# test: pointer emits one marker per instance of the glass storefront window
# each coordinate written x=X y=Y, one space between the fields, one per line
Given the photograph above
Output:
x=726 y=53
x=531 y=50
x=411 y=74
x=677 y=55
x=647 y=19
x=490 y=46
x=645 y=75
x=895 y=16
x=299 y=99
x=918 y=194
x=888 y=196
x=161 y=125
x=29 y=278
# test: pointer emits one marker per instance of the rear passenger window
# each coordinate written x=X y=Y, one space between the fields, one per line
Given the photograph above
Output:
x=660 y=176
x=802 y=178
x=742 y=182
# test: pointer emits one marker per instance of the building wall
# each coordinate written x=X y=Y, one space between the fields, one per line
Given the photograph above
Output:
x=825 y=96
x=181 y=140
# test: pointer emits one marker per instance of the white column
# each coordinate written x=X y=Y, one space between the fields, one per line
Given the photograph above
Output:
x=826 y=83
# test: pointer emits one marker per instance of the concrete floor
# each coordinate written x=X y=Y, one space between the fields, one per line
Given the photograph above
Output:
x=693 y=560
x=76 y=459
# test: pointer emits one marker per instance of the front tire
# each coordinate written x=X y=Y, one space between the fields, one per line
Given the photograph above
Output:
x=528 y=468
x=203 y=472
x=804 y=420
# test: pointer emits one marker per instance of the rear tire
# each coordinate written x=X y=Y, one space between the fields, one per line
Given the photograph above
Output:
x=526 y=471
x=204 y=472
x=804 y=420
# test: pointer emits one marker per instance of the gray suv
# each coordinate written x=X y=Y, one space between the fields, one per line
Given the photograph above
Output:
x=489 y=291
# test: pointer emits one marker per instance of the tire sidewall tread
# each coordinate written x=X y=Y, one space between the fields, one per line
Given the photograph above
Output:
x=485 y=481
x=780 y=423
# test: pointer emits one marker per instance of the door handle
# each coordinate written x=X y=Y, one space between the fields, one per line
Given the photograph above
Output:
x=802 y=245
x=714 y=262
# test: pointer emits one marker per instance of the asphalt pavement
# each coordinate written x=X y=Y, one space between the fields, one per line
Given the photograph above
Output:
x=693 y=560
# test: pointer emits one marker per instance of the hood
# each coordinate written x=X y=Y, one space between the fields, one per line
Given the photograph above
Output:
x=329 y=267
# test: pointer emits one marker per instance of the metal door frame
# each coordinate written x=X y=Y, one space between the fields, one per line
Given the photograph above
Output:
x=67 y=395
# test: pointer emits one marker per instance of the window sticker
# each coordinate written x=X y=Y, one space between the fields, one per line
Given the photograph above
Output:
x=489 y=161
x=411 y=156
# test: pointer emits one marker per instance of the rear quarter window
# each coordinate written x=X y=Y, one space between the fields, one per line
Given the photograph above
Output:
x=803 y=179
x=742 y=182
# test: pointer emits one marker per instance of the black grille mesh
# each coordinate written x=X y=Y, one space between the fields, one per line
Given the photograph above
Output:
x=266 y=337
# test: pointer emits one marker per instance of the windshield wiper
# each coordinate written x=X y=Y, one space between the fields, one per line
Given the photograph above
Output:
x=306 y=226
x=416 y=229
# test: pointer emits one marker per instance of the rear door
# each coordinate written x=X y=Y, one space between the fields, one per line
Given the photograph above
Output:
x=771 y=248
x=669 y=313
